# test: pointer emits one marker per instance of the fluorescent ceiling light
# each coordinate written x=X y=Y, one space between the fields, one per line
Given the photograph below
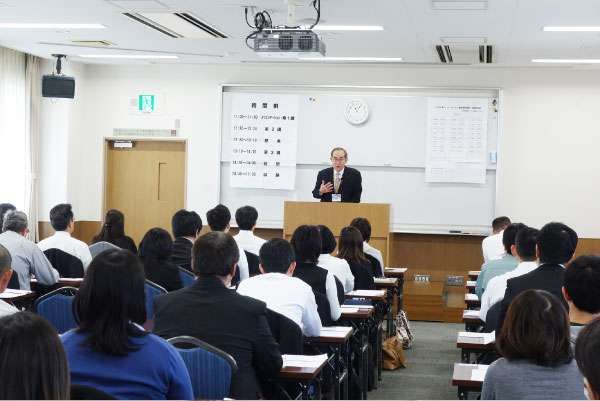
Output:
x=51 y=26
x=4 y=5
x=571 y=29
x=463 y=40
x=566 y=61
x=348 y=28
x=127 y=56
x=373 y=59
x=459 y=5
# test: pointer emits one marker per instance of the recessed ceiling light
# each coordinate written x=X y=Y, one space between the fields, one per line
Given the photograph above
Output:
x=566 y=61
x=51 y=26
x=463 y=40
x=138 y=4
x=371 y=59
x=127 y=56
x=459 y=5
x=571 y=28
x=348 y=28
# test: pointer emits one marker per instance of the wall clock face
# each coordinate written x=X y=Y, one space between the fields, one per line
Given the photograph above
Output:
x=356 y=111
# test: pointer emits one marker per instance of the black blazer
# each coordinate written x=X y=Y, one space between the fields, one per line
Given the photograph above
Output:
x=363 y=275
x=227 y=320
x=548 y=276
x=312 y=275
x=165 y=274
x=350 y=188
x=182 y=253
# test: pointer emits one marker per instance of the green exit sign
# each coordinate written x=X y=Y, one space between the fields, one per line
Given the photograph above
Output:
x=146 y=103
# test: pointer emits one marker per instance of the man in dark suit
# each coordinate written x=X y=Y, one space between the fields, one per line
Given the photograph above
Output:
x=338 y=183
x=556 y=245
x=186 y=227
x=211 y=312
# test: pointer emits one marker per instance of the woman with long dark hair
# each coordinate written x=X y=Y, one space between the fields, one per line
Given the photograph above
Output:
x=351 y=250
x=109 y=350
x=113 y=231
x=155 y=253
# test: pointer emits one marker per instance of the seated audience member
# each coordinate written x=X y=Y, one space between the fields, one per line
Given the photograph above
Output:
x=219 y=219
x=5 y=273
x=581 y=289
x=524 y=253
x=536 y=363
x=556 y=245
x=27 y=258
x=63 y=223
x=155 y=253
x=282 y=293
x=211 y=312
x=497 y=267
x=186 y=226
x=246 y=217
x=33 y=365
x=306 y=242
x=364 y=226
x=351 y=251
x=587 y=349
x=109 y=350
x=5 y=207
x=492 y=246
x=339 y=267
x=113 y=231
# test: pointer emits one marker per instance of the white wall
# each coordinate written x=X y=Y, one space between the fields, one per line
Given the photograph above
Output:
x=547 y=156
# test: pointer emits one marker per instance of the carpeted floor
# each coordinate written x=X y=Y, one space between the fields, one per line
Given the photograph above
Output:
x=430 y=363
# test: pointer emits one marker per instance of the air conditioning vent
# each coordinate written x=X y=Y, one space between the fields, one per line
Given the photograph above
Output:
x=177 y=25
x=95 y=43
x=464 y=53
x=286 y=42
x=305 y=42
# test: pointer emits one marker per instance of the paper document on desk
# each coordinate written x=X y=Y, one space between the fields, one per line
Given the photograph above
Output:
x=471 y=297
x=383 y=280
x=471 y=283
x=487 y=338
x=74 y=280
x=11 y=293
x=348 y=309
x=337 y=329
x=479 y=373
x=304 y=361
x=471 y=313
x=396 y=269
x=367 y=293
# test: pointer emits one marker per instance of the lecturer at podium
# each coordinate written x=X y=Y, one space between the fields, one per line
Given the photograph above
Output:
x=338 y=183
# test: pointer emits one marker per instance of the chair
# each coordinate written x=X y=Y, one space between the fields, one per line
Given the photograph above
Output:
x=340 y=290
x=253 y=263
x=187 y=277
x=66 y=264
x=377 y=271
x=286 y=332
x=101 y=246
x=152 y=290
x=56 y=308
x=211 y=370
x=323 y=308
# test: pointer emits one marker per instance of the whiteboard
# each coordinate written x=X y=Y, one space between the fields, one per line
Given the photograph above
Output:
x=389 y=150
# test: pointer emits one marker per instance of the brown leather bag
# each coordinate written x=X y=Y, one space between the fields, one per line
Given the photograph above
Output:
x=392 y=353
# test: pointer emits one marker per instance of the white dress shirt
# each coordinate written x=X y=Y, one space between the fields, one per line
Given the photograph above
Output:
x=334 y=303
x=496 y=287
x=62 y=240
x=369 y=250
x=242 y=263
x=492 y=247
x=287 y=295
x=249 y=242
x=339 y=268
x=7 y=309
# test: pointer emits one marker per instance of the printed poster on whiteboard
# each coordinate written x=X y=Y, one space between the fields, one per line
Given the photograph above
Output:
x=264 y=138
x=456 y=140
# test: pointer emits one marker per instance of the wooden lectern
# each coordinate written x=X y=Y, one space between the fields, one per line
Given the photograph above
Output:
x=339 y=215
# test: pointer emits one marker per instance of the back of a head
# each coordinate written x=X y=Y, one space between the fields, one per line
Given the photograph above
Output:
x=111 y=297
x=510 y=234
x=351 y=245
x=557 y=243
x=525 y=243
x=214 y=254
x=34 y=364
x=306 y=242
x=218 y=218
x=5 y=207
x=536 y=328
x=246 y=217
x=582 y=283
x=276 y=255
x=364 y=226
x=500 y=223
x=156 y=245
x=328 y=242
x=15 y=220
x=587 y=349
x=113 y=227
x=5 y=260
x=60 y=216
x=186 y=223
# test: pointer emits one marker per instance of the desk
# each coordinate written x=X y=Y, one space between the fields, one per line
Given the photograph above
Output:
x=391 y=285
x=397 y=272
x=471 y=287
x=472 y=301
x=473 y=274
x=462 y=377
x=359 y=340
x=10 y=295
x=336 y=339
x=473 y=345
x=62 y=282
x=302 y=375
x=472 y=321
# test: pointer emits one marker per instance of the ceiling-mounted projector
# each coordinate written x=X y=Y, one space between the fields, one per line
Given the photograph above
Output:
x=288 y=43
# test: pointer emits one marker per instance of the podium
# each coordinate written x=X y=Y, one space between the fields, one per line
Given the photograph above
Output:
x=336 y=216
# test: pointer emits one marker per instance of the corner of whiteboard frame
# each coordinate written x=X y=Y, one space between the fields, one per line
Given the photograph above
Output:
x=499 y=141
x=219 y=141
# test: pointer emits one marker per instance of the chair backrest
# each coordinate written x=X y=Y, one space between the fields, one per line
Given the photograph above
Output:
x=187 y=277
x=212 y=371
x=340 y=290
x=491 y=318
x=286 y=332
x=323 y=308
x=67 y=265
x=152 y=290
x=14 y=282
x=101 y=246
x=377 y=271
x=253 y=263
x=56 y=307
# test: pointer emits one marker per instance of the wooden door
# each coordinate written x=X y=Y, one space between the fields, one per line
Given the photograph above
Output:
x=146 y=182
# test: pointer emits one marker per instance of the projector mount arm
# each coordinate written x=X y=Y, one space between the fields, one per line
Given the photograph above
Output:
x=58 y=62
